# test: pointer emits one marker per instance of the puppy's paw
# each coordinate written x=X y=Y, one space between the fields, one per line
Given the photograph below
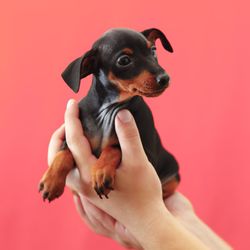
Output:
x=53 y=181
x=51 y=185
x=103 y=180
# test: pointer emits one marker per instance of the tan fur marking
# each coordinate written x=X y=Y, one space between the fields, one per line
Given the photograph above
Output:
x=153 y=36
x=94 y=142
x=128 y=51
x=144 y=84
x=149 y=44
x=169 y=188
x=109 y=141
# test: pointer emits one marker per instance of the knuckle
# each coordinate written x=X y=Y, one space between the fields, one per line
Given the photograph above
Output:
x=130 y=134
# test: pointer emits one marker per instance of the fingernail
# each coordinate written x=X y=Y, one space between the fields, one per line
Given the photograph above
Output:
x=70 y=102
x=124 y=116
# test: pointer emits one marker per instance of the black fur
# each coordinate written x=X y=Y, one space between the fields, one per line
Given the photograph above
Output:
x=99 y=108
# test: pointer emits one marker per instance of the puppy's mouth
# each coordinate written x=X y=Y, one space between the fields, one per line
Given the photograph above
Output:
x=152 y=93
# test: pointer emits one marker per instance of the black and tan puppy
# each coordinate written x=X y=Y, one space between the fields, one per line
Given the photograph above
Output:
x=125 y=68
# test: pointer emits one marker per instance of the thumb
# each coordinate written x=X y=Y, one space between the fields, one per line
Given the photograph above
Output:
x=129 y=137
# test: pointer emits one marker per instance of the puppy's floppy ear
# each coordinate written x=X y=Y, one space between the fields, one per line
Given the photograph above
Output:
x=80 y=68
x=153 y=34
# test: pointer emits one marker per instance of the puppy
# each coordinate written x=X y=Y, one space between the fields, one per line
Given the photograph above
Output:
x=125 y=69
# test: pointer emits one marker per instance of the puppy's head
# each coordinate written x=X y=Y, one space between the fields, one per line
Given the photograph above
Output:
x=126 y=59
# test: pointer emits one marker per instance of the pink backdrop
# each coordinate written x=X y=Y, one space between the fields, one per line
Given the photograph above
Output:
x=203 y=118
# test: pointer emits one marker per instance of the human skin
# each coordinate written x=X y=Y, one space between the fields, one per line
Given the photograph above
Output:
x=135 y=214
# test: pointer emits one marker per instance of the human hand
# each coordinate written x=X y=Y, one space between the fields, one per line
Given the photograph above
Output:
x=134 y=195
x=137 y=186
x=133 y=203
x=103 y=224
x=96 y=219
x=177 y=204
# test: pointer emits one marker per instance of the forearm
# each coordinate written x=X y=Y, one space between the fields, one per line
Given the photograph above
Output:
x=194 y=225
x=159 y=230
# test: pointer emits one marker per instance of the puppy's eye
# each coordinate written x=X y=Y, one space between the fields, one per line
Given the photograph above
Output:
x=153 y=50
x=124 y=60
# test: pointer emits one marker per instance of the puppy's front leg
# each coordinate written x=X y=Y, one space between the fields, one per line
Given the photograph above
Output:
x=53 y=181
x=103 y=172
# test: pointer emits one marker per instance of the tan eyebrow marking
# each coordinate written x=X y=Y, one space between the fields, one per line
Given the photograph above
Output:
x=128 y=51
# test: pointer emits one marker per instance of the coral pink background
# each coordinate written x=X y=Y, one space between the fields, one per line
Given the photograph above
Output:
x=203 y=118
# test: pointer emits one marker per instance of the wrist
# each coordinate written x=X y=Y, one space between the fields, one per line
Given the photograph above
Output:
x=148 y=218
x=198 y=228
x=158 y=229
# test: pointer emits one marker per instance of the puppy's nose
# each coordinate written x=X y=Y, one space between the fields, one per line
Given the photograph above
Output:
x=162 y=79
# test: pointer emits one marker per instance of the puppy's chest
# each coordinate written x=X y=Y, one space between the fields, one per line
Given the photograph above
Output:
x=99 y=127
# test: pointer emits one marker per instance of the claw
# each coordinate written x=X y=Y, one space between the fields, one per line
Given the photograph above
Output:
x=97 y=191
x=41 y=186
x=104 y=188
x=101 y=190
x=45 y=195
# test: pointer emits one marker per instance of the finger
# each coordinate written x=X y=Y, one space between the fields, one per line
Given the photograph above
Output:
x=77 y=142
x=55 y=143
x=102 y=222
x=124 y=237
x=178 y=204
x=79 y=207
x=128 y=136
x=74 y=181
x=81 y=212
x=80 y=184
x=103 y=218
